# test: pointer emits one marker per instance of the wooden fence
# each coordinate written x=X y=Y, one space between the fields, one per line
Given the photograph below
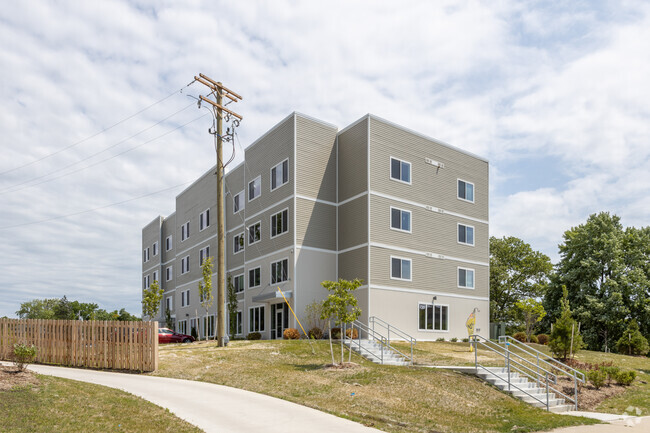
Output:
x=93 y=344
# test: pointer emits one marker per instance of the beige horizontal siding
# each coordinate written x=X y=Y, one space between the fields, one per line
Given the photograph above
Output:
x=353 y=160
x=354 y=264
x=315 y=224
x=316 y=159
x=233 y=185
x=353 y=223
x=266 y=245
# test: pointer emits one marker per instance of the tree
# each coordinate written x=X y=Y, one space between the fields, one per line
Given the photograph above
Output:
x=341 y=304
x=37 y=309
x=151 y=298
x=516 y=272
x=205 y=291
x=565 y=337
x=64 y=309
x=632 y=342
x=531 y=311
x=232 y=307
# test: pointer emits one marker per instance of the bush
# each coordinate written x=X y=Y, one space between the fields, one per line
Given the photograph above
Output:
x=542 y=339
x=254 y=336
x=335 y=333
x=520 y=336
x=596 y=378
x=194 y=334
x=465 y=340
x=611 y=372
x=453 y=340
x=291 y=334
x=316 y=333
x=352 y=333
x=440 y=339
x=632 y=342
x=23 y=355
x=533 y=339
x=625 y=377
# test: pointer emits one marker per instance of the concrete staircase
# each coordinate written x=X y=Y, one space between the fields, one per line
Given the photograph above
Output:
x=524 y=389
x=376 y=352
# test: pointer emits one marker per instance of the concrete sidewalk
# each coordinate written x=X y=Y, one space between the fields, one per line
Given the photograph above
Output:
x=629 y=425
x=215 y=408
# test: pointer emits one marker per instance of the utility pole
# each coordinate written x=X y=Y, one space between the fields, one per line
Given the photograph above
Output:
x=218 y=90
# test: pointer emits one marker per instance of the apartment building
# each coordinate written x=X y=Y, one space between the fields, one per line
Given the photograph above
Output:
x=405 y=213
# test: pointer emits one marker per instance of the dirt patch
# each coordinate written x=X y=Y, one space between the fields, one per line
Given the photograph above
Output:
x=588 y=396
x=11 y=377
x=342 y=366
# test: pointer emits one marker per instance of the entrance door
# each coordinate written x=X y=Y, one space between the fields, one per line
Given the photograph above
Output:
x=279 y=321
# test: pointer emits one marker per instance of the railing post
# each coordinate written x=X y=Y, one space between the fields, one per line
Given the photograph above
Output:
x=538 y=370
x=575 y=390
x=388 y=335
x=475 y=342
x=508 y=364
x=411 y=351
x=547 y=397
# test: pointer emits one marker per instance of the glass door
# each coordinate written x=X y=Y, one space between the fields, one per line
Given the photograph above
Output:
x=279 y=312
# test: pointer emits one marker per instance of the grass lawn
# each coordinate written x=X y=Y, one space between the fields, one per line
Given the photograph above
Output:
x=61 y=405
x=394 y=399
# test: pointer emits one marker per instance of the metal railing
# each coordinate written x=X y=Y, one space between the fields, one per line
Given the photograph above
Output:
x=372 y=336
x=372 y=320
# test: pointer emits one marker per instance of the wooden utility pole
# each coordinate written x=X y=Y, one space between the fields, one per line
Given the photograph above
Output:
x=218 y=90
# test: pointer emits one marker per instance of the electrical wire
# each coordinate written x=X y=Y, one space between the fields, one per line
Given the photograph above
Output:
x=97 y=133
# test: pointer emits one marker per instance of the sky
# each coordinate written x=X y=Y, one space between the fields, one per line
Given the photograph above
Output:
x=99 y=130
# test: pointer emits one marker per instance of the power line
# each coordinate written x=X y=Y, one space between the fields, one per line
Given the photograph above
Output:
x=97 y=133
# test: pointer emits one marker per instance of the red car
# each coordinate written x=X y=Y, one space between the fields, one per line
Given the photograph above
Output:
x=166 y=335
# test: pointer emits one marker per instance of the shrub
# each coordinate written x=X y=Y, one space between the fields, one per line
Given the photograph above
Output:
x=465 y=340
x=533 y=339
x=520 y=336
x=316 y=333
x=291 y=334
x=194 y=334
x=23 y=355
x=542 y=339
x=611 y=372
x=254 y=336
x=352 y=333
x=453 y=340
x=596 y=378
x=632 y=342
x=625 y=377
x=440 y=339
x=335 y=333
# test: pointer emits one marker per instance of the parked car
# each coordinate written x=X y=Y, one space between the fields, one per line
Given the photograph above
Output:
x=166 y=335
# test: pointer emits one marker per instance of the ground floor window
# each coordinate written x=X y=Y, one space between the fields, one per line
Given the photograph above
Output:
x=238 y=323
x=208 y=326
x=256 y=319
x=181 y=326
x=193 y=330
x=433 y=317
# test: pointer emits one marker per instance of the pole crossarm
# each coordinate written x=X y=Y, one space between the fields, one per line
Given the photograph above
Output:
x=218 y=106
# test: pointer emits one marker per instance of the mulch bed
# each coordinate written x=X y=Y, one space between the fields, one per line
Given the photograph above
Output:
x=588 y=396
x=11 y=377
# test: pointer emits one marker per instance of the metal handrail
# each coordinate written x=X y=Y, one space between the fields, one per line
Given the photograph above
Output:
x=510 y=384
x=381 y=339
x=389 y=327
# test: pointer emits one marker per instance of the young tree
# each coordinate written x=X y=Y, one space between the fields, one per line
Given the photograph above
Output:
x=341 y=304
x=531 y=312
x=151 y=298
x=565 y=337
x=232 y=307
x=632 y=342
x=37 y=309
x=205 y=290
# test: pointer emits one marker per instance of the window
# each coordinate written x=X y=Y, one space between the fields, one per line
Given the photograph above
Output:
x=145 y=255
x=256 y=321
x=427 y=320
x=169 y=303
x=254 y=188
x=400 y=170
x=238 y=202
x=155 y=248
x=146 y=282
x=400 y=219
x=185 y=298
x=279 y=271
x=168 y=243
x=465 y=234
x=254 y=233
x=185 y=265
x=208 y=326
x=238 y=243
x=279 y=223
x=204 y=219
x=169 y=273
x=465 y=190
x=238 y=323
x=280 y=174
x=181 y=326
x=185 y=231
x=204 y=253
x=155 y=276
x=238 y=283
x=466 y=278
x=400 y=269
x=254 y=277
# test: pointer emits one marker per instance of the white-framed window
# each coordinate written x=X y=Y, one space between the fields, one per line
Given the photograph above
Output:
x=185 y=231
x=204 y=219
x=181 y=327
x=254 y=188
x=400 y=219
x=169 y=303
x=279 y=271
x=238 y=283
x=238 y=202
x=400 y=170
x=185 y=298
x=238 y=243
x=204 y=253
x=254 y=277
x=254 y=233
x=168 y=243
x=433 y=317
x=279 y=223
x=238 y=323
x=155 y=276
x=256 y=322
x=208 y=326
x=280 y=174
x=169 y=273
x=154 y=247
x=465 y=278
x=465 y=234
x=185 y=265
x=465 y=190
x=400 y=268
x=145 y=255
x=146 y=281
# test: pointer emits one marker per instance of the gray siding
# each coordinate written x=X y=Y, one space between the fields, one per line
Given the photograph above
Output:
x=316 y=159
x=267 y=244
x=354 y=264
x=315 y=224
x=234 y=184
x=353 y=160
x=353 y=223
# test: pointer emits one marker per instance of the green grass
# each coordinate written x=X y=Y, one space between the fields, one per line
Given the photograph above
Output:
x=393 y=399
x=61 y=405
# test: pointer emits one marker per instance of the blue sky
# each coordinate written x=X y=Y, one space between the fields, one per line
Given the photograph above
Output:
x=554 y=94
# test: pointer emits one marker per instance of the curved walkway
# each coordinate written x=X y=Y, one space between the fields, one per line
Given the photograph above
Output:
x=215 y=408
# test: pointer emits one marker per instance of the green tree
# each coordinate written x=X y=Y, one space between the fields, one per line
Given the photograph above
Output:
x=205 y=291
x=37 y=309
x=232 y=308
x=565 y=338
x=516 y=272
x=151 y=298
x=632 y=342
x=341 y=304
x=531 y=312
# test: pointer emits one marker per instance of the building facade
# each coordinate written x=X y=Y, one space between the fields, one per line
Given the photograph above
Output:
x=405 y=213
